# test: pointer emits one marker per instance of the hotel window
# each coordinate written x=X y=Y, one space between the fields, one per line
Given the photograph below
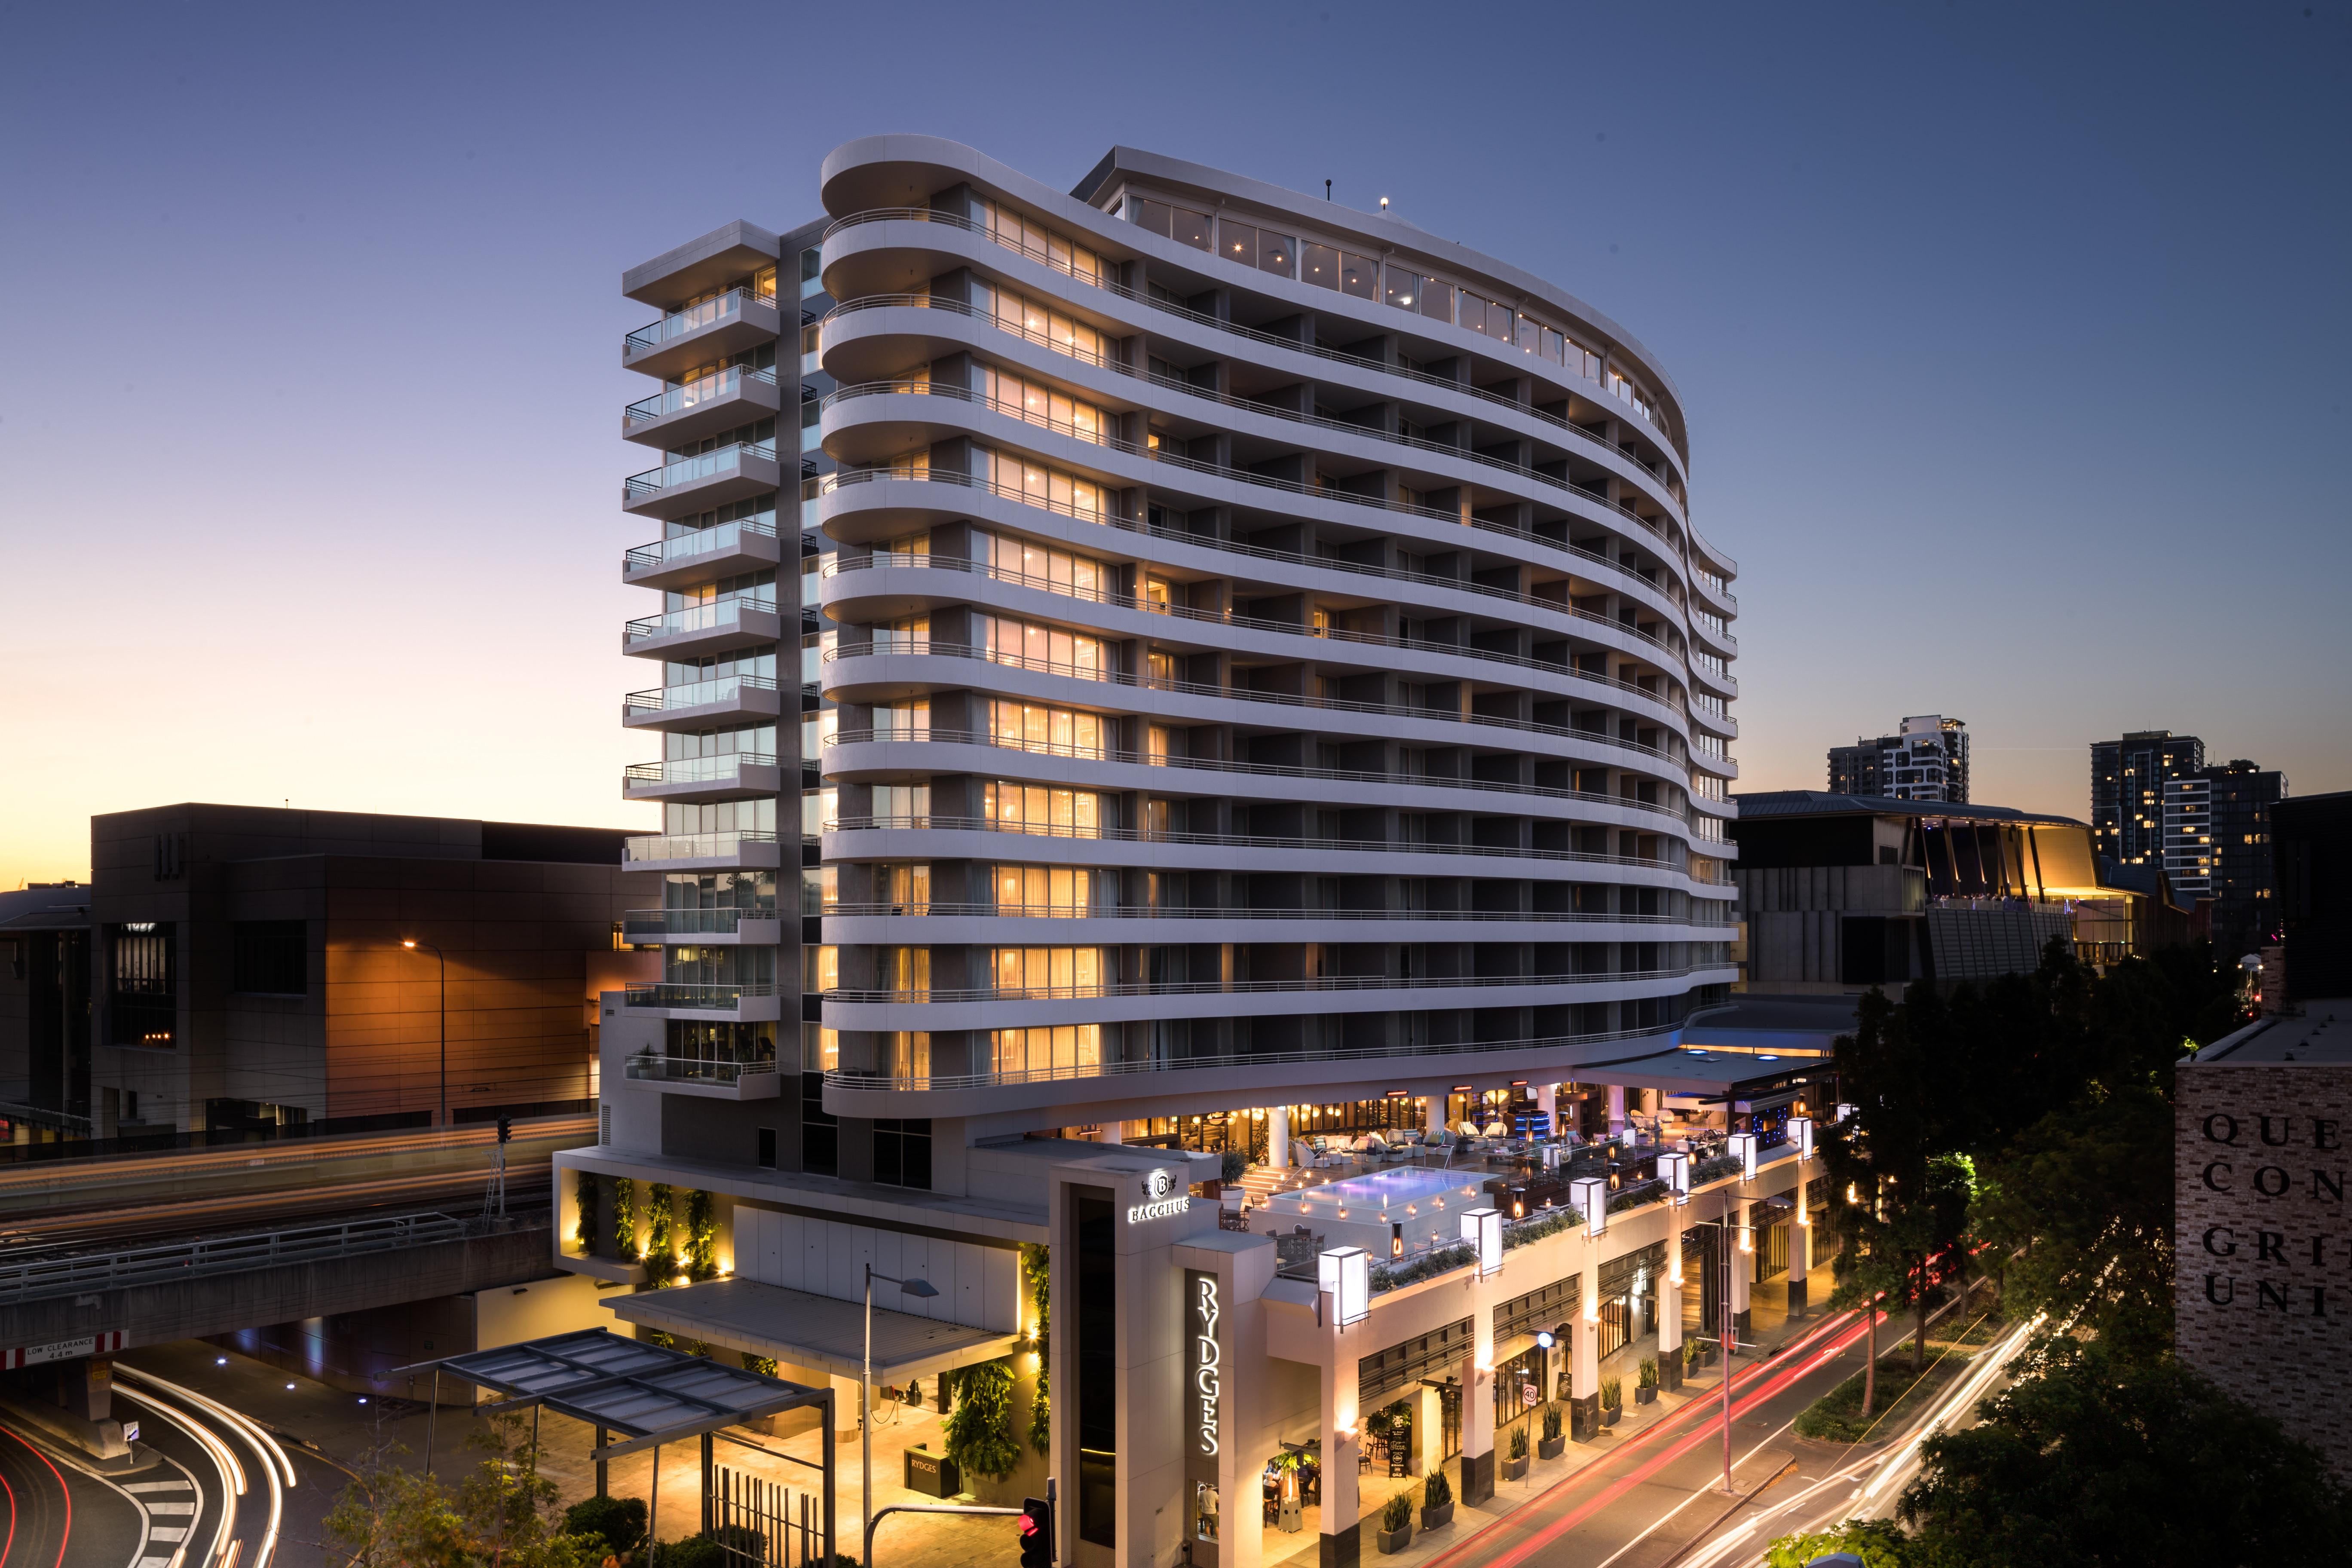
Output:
x=904 y=889
x=1040 y=808
x=820 y=889
x=902 y=804
x=1260 y=248
x=816 y=735
x=1056 y=732
x=1181 y=225
x=1058 y=971
x=905 y=970
x=1038 y=486
x=1328 y=268
x=1054 y=892
x=911 y=635
x=820 y=811
x=1035 y=647
x=1412 y=291
x=1016 y=230
x=1160 y=743
x=1038 y=403
x=1068 y=1046
x=1026 y=318
x=1041 y=566
x=908 y=719
x=1481 y=314
x=815 y=647
x=820 y=968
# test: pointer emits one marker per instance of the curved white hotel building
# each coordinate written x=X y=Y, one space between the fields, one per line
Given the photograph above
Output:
x=1195 y=668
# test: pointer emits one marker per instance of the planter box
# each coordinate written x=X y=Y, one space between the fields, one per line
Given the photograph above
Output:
x=1609 y=1414
x=1514 y=1469
x=1437 y=1517
x=933 y=1475
x=1550 y=1447
x=1395 y=1540
x=1646 y=1395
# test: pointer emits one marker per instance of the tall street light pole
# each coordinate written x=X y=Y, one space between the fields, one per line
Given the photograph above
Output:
x=444 y=962
x=920 y=1289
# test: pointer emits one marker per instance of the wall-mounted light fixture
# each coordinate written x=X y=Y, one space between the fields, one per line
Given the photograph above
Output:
x=1345 y=1273
x=1674 y=1169
x=1743 y=1145
x=1800 y=1133
x=1482 y=1229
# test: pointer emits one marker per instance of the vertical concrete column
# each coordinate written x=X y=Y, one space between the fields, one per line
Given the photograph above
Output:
x=1277 y=1137
x=1584 y=1361
x=1616 y=1108
x=1478 y=1409
x=1548 y=1101
x=1428 y=1431
x=1342 y=1543
x=1669 y=1304
x=1743 y=1274
x=1114 y=1131
x=1801 y=1251
x=1433 y=1122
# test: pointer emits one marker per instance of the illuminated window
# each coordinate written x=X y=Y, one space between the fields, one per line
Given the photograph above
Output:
x=1035 y=646
x=1036 y=485
x=1039 y=404
x=1065 y=1048
x=1055 y=892
x=1040 y=808
x=1041 y=566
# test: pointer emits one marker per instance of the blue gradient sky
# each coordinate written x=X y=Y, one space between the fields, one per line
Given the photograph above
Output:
x=2013 y=340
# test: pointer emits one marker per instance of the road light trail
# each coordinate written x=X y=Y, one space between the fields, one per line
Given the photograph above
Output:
x=276 y=1468
x=225 y=1466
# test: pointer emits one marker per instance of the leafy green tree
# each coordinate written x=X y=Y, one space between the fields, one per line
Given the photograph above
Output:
x=1880 y=1544
x=618 y=1522
x=500 y=1514
x=979 y=1436
x=2092 y=1460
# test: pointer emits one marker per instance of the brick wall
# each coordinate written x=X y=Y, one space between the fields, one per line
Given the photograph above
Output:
x=2262 y=1303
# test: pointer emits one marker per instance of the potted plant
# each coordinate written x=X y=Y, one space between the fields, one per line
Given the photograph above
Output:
x=1645 y=1384
x=1553 y=1445
x=1515 y=1465
x=1436 y=1501
x=1612 y=1400
x=1396 y=1522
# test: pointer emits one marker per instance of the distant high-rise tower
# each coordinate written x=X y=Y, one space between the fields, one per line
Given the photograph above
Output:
x=2217 y=845
x=2128 y=779
x=1927 y=759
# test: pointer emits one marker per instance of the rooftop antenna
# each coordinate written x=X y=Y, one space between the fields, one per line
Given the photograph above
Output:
x=1327 y=190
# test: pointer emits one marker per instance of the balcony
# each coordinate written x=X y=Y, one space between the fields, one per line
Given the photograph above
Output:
x=714 y=928
x=734 y=849
x=699 y=629
x=704 y=778
x=721 y=326
x=713 y=1078
x=745 y=1000
x=696 y=704
x=686 y=410
x=704 y=480
x=705 y=554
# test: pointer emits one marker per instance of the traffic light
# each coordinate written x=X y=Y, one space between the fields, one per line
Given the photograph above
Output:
x=1036 y=1532
x=506 y=1130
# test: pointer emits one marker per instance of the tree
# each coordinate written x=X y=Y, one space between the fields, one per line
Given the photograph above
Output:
x=2082 y=1205
x=1880 y=1544
x=1037 y=1274
x=501 y=1514
x=980 y=1434
x=2095 y=1460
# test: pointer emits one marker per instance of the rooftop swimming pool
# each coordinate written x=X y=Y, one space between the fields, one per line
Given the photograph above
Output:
x=1393 y=1189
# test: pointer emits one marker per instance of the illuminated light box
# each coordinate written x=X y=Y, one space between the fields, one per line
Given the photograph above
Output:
x=1743 y=1145
x=1590 y=1197
x=1482 y=1229
x=1345 y=1273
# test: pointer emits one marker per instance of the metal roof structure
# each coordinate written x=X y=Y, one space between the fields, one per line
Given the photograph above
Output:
x=814 y=1332
x=1760 y=804
x=652 y=1393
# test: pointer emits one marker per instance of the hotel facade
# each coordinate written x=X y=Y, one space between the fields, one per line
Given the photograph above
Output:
x=1257 y=687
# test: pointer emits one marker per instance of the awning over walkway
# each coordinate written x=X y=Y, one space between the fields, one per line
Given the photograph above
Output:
x=644 y=1391
x=814 y=1331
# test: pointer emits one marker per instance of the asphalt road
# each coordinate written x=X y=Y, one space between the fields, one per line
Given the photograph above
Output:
x=1646 y=1504
x=53 y=1515
x=236 y=1473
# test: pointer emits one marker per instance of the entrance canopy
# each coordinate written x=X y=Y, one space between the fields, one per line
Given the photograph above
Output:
x=644 y=1391
x=814 y=1331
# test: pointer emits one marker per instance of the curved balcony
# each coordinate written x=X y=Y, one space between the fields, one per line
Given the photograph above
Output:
x=941 y=924
x=714 y=329
x=906 y=496
x=705 y=481
x=887 y=248
x=708 y=1076
x=855 y=602
x=688 y=410
x=703 y=555
x=726 y=777
x=700 y=704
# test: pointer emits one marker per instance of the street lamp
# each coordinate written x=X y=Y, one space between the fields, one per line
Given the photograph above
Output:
x=921 y=1289
x=412 y=945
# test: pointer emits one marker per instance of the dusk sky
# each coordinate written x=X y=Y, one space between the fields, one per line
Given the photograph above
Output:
x=2013 y=340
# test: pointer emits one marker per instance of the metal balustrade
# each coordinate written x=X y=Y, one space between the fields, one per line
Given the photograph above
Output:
x=693 y=318
x=123 y=1269
x=1112 y=988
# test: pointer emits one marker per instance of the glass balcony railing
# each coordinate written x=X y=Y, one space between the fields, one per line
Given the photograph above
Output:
x=691 y=471
x=716 y=616
x=695 y=694
x=724 y=538
x=692 y=1069
x=650 y=847
x=696 y=770
x=694 y=318
x=678 y=397
x=718 y=997
x=642 y=924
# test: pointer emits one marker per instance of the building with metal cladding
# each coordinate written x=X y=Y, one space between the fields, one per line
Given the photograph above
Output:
x=1257 y=679
x=1927 y=758
x=2128 y=779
